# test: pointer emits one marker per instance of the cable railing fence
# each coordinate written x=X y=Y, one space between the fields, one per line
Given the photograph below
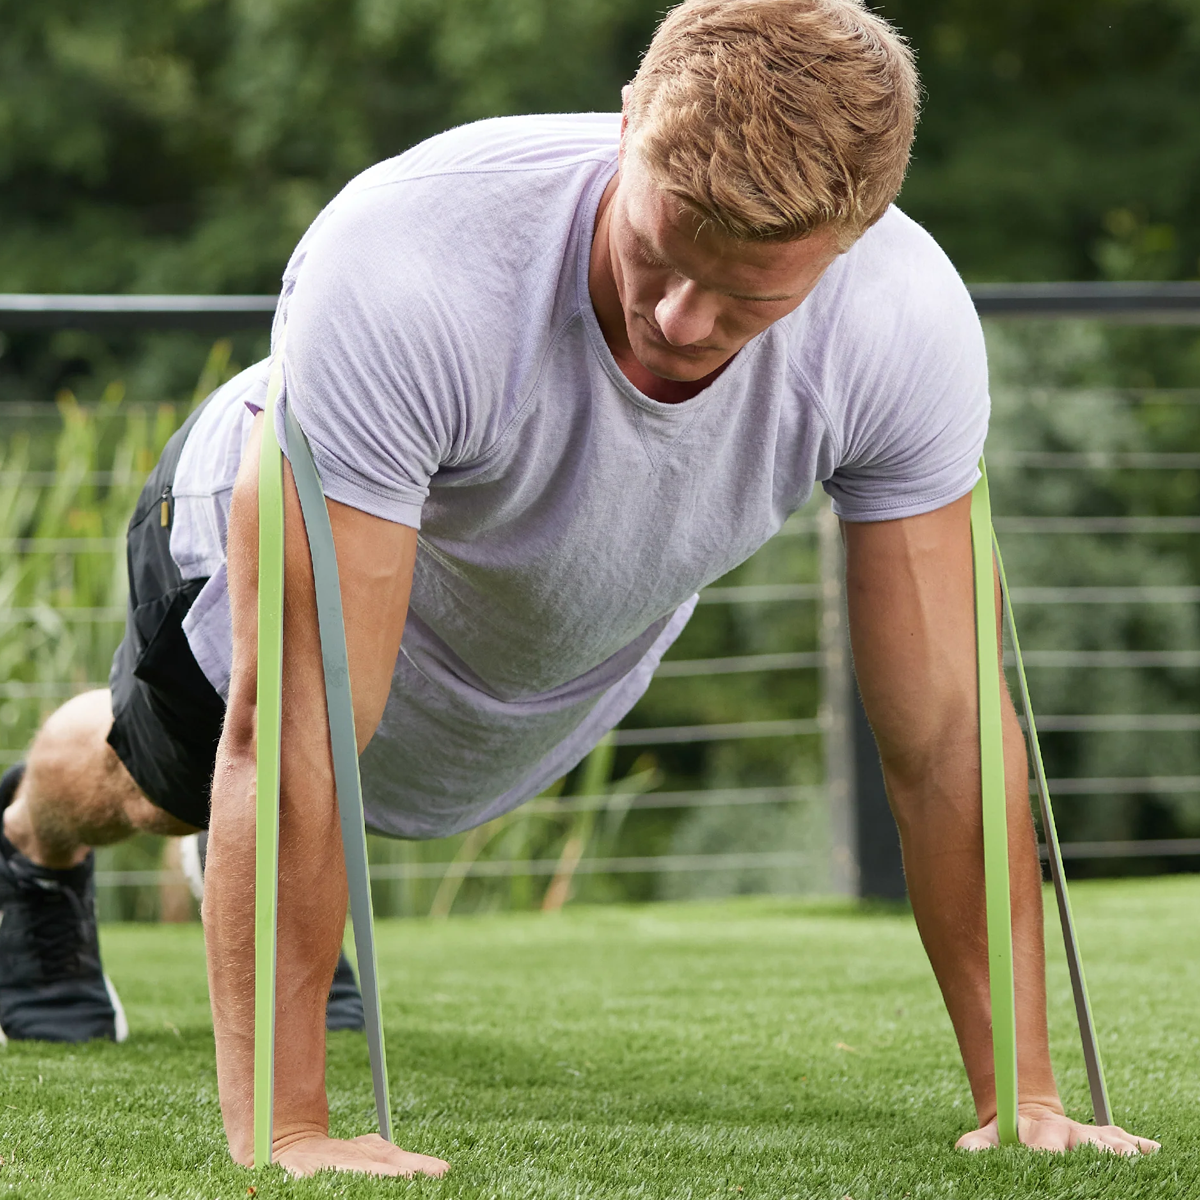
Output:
x=859 y=854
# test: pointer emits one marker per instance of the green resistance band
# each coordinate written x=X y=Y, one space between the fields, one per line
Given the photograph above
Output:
x=266 y=803
x=344 y=745
x=995 y=821
x=985 y=549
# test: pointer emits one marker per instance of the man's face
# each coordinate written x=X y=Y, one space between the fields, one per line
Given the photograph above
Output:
x=691 y=296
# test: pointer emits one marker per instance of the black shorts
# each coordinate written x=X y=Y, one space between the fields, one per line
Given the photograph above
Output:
x=167 y=717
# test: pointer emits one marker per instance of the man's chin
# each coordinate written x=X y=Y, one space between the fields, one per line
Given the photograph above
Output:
x=679 y=368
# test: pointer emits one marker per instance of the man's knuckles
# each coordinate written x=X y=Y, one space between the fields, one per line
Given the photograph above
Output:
x=978 y=1139
x=408 y=1162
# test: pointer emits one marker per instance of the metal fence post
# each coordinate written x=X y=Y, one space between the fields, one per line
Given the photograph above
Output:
x=864 y=843
x=880 y=867
x=837 y=710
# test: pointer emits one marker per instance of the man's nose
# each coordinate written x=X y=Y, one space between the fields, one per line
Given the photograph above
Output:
x=686 y=314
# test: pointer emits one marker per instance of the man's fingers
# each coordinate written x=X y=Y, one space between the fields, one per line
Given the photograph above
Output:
x=979 y=1139
x=1113 y=1137
x=1058 y=1134
x=409 y=1164
x=1108 y=1138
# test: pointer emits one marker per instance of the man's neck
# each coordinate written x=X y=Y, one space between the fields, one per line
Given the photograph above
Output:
x=606 y=301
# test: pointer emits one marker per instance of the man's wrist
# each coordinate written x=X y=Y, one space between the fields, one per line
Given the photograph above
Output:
x=1028 y=1105
x=298 y=1133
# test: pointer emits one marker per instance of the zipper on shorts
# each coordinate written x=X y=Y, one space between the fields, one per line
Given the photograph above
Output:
x=164 y=508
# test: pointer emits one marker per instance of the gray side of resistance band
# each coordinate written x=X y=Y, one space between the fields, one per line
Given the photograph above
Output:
x=1083 y=1008
x=345 y=747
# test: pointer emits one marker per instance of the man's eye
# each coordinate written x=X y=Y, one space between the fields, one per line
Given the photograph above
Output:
x=649 y=257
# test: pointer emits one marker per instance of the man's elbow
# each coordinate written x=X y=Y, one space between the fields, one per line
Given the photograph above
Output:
x=237 y=760
x=934 y=770
x=930 y=767
x=232 y=811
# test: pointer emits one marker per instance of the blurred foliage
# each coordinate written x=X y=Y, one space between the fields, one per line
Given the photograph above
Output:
x=1060 y=138
x=185 y=145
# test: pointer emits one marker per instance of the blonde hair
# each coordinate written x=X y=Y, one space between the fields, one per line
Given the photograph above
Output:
x=775 y=118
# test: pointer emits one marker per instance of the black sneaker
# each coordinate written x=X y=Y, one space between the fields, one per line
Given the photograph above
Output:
x=344 y=1008
x=52 y=987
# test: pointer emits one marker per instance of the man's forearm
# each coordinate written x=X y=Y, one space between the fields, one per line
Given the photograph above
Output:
x=375 y=563
x=312 y=904
x=910 y=591
x=942 y=838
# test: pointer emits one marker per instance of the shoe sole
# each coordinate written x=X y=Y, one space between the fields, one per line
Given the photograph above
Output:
x=120 y=1024
x=193 y=869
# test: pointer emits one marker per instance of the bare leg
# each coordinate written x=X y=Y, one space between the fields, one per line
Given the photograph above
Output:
x=76 y=792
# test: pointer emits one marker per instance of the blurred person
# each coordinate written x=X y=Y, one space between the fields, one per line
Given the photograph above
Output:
x=558 y=374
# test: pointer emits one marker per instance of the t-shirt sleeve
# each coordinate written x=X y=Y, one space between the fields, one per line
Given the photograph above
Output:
x=371 y=387
x=913 y=410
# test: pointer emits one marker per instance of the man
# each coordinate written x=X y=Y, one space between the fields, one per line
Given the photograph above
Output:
x=597 y=365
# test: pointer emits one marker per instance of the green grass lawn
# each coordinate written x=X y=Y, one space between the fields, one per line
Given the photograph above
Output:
x=758 y=1048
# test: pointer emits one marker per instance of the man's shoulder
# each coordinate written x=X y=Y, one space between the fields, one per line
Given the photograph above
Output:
x=457 y=248
x=421 y=304
x=901 y=369
x=891 y=340
x=475 y=210
x=894 y=297
x=494 y=162
x=897 y=280
x=499 y=145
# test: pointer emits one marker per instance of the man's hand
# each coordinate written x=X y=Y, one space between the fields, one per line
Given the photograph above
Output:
x=368 y=1155
x=1042 y=1128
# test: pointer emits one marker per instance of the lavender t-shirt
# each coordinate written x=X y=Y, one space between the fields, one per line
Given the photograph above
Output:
x=443 y=356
